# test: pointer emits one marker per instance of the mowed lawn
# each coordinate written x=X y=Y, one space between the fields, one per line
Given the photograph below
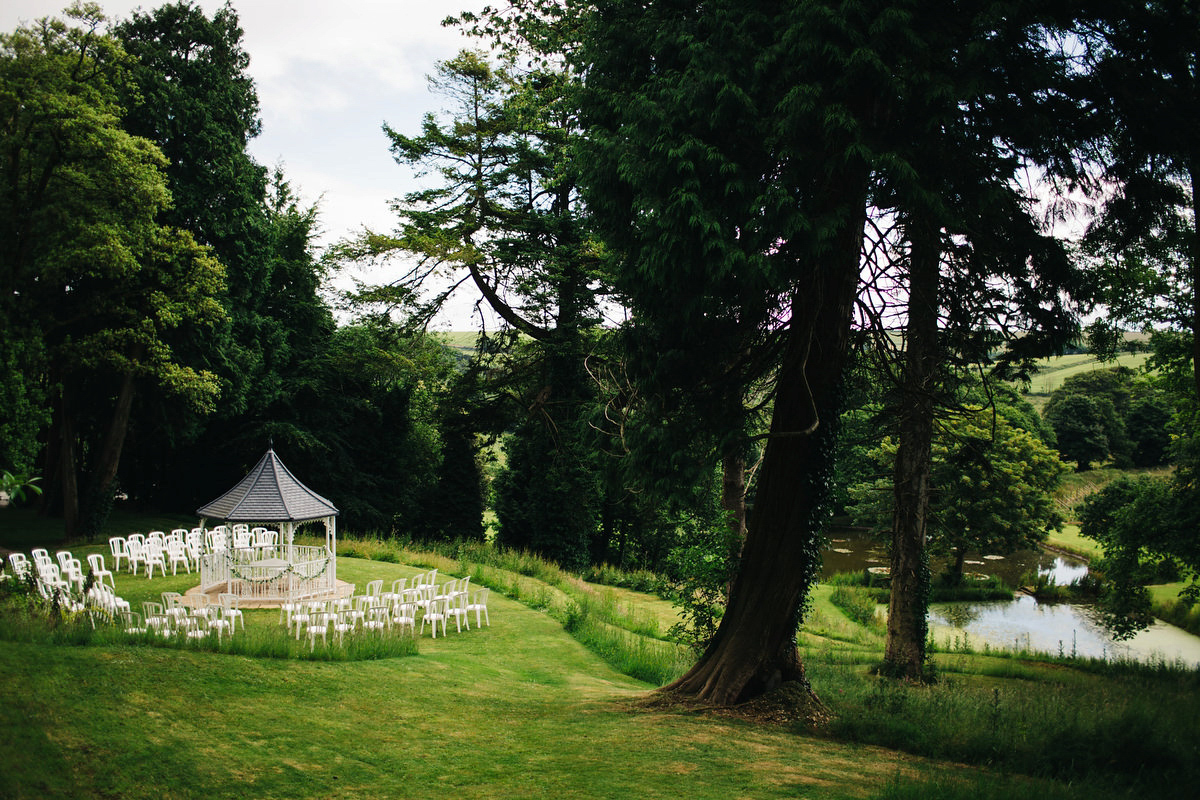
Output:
x=518 y=709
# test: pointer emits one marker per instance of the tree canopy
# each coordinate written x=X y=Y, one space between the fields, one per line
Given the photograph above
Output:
x=96 y=278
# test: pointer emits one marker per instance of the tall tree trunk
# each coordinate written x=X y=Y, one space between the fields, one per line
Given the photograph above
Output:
x=108 y=458
x=68 y=482
x=733 y=488
x=904 y=649
x=1194 y=270
x=754 y=649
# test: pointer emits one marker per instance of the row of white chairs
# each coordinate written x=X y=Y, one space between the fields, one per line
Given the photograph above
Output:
x=174 y=616
x=63 y=578
x=318 y=617
x=183 y=547
x=435 y=604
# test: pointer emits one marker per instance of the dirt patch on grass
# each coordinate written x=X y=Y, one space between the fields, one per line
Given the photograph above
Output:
x=789 y=704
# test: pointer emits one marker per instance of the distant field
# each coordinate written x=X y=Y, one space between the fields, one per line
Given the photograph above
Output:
x=462 y=341
x=1053 y=371
x=1068 y=539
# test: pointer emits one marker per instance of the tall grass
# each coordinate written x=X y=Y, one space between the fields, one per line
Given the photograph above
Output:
x=1038 y=722
x=857 y=603
x=84 y=629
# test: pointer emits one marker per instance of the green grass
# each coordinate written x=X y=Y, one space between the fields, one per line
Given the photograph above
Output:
x=1053 y=371
x=1069 y=541
x=540 y=704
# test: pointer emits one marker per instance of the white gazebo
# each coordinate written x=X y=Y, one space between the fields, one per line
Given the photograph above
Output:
x=270 y=496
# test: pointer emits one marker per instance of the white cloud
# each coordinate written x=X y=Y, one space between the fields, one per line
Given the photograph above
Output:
x=328 y=74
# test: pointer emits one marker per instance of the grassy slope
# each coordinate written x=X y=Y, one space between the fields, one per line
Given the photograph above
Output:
x=1069 y=540
x=518 y=709
x=1053 y=371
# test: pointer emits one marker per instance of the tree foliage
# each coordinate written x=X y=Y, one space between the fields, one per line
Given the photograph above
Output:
x=95 y=276
x=501 y=214
x=1112 y=414
x=727 y=167
x=1142 y=66
x=992 y=488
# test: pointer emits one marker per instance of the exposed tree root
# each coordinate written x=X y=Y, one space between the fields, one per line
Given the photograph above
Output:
x=791 y=702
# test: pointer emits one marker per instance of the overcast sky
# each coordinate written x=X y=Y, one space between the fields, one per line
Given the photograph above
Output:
x=328 y=75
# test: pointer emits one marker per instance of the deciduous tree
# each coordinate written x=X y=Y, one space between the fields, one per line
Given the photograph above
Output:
x=93 y=273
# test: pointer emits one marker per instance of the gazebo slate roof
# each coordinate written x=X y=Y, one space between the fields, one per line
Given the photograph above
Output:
x=269 y=493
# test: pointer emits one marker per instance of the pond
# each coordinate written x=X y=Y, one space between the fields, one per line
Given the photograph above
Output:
x=1067 y=628
x=855 y=550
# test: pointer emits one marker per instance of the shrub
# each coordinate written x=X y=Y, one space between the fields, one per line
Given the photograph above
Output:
x=858 y=604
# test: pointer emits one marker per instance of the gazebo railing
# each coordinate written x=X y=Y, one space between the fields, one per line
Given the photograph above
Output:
x=255 y=574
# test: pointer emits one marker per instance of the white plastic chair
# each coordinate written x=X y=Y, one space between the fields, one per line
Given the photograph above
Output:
x=220 y=622
x=374 y=590
x=318 y=625
x=478 y=603
x=201 y=606
x=195 y=627
x=132 y=623
x=51 y=583
x=379 y=618
x=116 y=546
x=264 y=540
x=405 y=616
x=156 y=617
x=20 y=565
x=300 y=617
x=397 y=591
x=135 y=551
x=96 y=564
x=456 y=607
x=105 y=599
x=177 y=554
x=155 y=557
x=72 y=571
x=434 y=613
x=343 y=623
x=194 y=544
x=173 y=605
x=230 y=608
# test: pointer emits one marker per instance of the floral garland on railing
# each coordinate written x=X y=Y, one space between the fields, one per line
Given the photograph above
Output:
x=283 y=570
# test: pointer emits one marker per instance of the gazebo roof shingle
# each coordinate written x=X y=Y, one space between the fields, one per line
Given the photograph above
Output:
x=269 y=493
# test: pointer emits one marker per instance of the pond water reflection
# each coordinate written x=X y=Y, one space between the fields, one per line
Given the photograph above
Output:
x=1066 y=628
x=854 y=550
x=1069 y=628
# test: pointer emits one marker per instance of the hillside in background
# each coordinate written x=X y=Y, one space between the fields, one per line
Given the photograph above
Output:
x=1053 y=371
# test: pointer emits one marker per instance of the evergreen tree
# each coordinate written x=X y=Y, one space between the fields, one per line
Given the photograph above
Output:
x=504 y=217
x=970 y=251
x=735 y=216
x=733 y=154
x=1144 y=79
